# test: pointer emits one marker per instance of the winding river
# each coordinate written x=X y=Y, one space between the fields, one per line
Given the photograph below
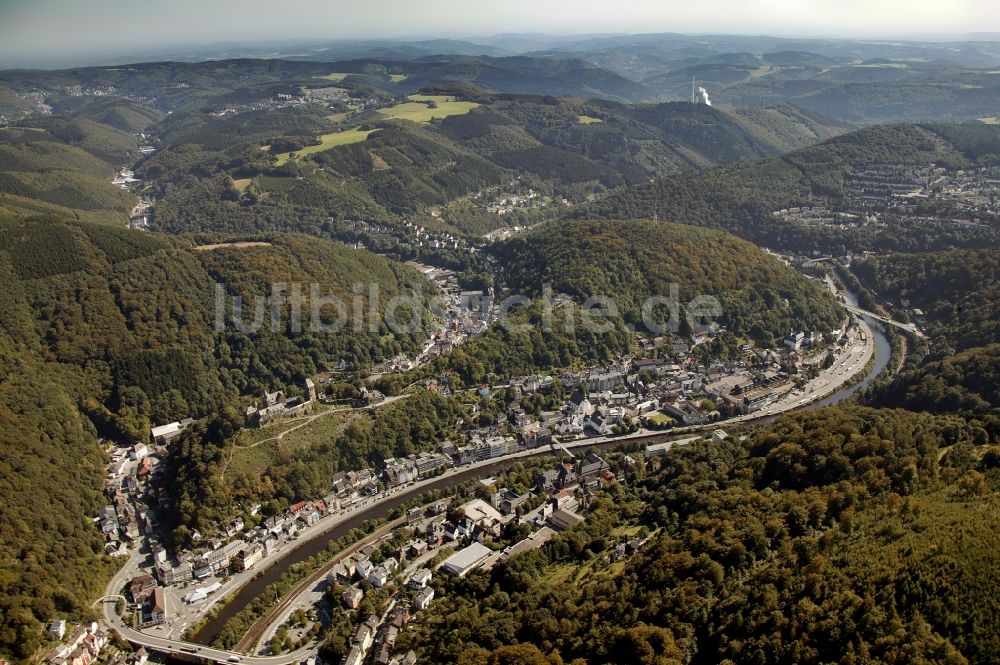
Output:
x=256 y=586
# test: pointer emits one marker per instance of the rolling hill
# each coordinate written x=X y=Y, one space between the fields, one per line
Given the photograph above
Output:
x=64 y=166
x=631 y=260
x=741 y=198
x=106 y=331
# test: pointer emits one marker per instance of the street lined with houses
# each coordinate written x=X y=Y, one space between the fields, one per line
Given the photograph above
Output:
x=627 y=402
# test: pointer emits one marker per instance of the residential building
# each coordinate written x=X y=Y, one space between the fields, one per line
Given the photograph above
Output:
x=379 y=577
x=419 y=579
x=158 y=611
x=562 y=520
x=351 y=598
x=423 y=598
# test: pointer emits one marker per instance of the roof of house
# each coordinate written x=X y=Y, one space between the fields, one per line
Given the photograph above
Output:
x=159 y=600
x=565 y=519
x=478 y=510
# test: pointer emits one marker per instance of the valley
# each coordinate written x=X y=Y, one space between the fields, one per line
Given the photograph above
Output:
x=594 y=350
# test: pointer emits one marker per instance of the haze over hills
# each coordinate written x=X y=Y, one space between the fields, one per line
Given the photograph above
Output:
x=548 y=169
x=857 y=81
x=626 y=53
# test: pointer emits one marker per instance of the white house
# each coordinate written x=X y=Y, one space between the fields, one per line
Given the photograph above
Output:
x=423 y=598
x=379 y=577
x=364 y=568
x=420 y=579
x=579 y=405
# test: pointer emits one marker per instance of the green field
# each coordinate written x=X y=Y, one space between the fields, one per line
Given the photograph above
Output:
x=257 y=449
x=241 y=183
x=336 y=77
x=659 y=418
x=588 y=120
x=417 y=110
x=328 y=141
x=993 y=120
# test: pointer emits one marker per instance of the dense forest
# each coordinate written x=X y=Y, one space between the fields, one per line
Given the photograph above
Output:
x=833 y=536
x=741 y=198
x=958 y=368
x=632 y=260
x=138 y=312
x=64 y=166
x=965 y=382
x=958 y=292
x=106 y=332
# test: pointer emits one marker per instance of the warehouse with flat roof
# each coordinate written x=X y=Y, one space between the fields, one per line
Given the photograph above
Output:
x=464 y=560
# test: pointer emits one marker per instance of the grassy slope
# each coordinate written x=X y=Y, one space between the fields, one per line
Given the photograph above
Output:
x=327 y=141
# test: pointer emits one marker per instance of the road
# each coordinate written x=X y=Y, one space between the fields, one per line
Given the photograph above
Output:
x=846 y=367
x=908 y=327
x=176 y=647
x=281 y=611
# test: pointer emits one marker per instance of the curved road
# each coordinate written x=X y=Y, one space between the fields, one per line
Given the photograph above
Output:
x=908 y=327
x=176 y=647
x=397 y=496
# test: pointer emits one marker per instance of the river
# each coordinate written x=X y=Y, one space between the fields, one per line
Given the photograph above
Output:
x=256 y=586
x=882 y=353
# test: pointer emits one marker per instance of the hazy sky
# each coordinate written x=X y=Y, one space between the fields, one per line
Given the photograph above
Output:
x=39 y=30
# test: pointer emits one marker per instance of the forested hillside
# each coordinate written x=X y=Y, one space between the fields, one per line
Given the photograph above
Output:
x=55 y=165
x=741 y=198
x=561 y=147
x=632 y=143
x=956 y=291
x=632 y=260
x=106 y=332
x=965 y=382
x=628 y=262
x=832 y=536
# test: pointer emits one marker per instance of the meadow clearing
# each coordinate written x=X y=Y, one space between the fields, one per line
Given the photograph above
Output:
x=337 y=77
x=328 y=141
x=418 y=110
